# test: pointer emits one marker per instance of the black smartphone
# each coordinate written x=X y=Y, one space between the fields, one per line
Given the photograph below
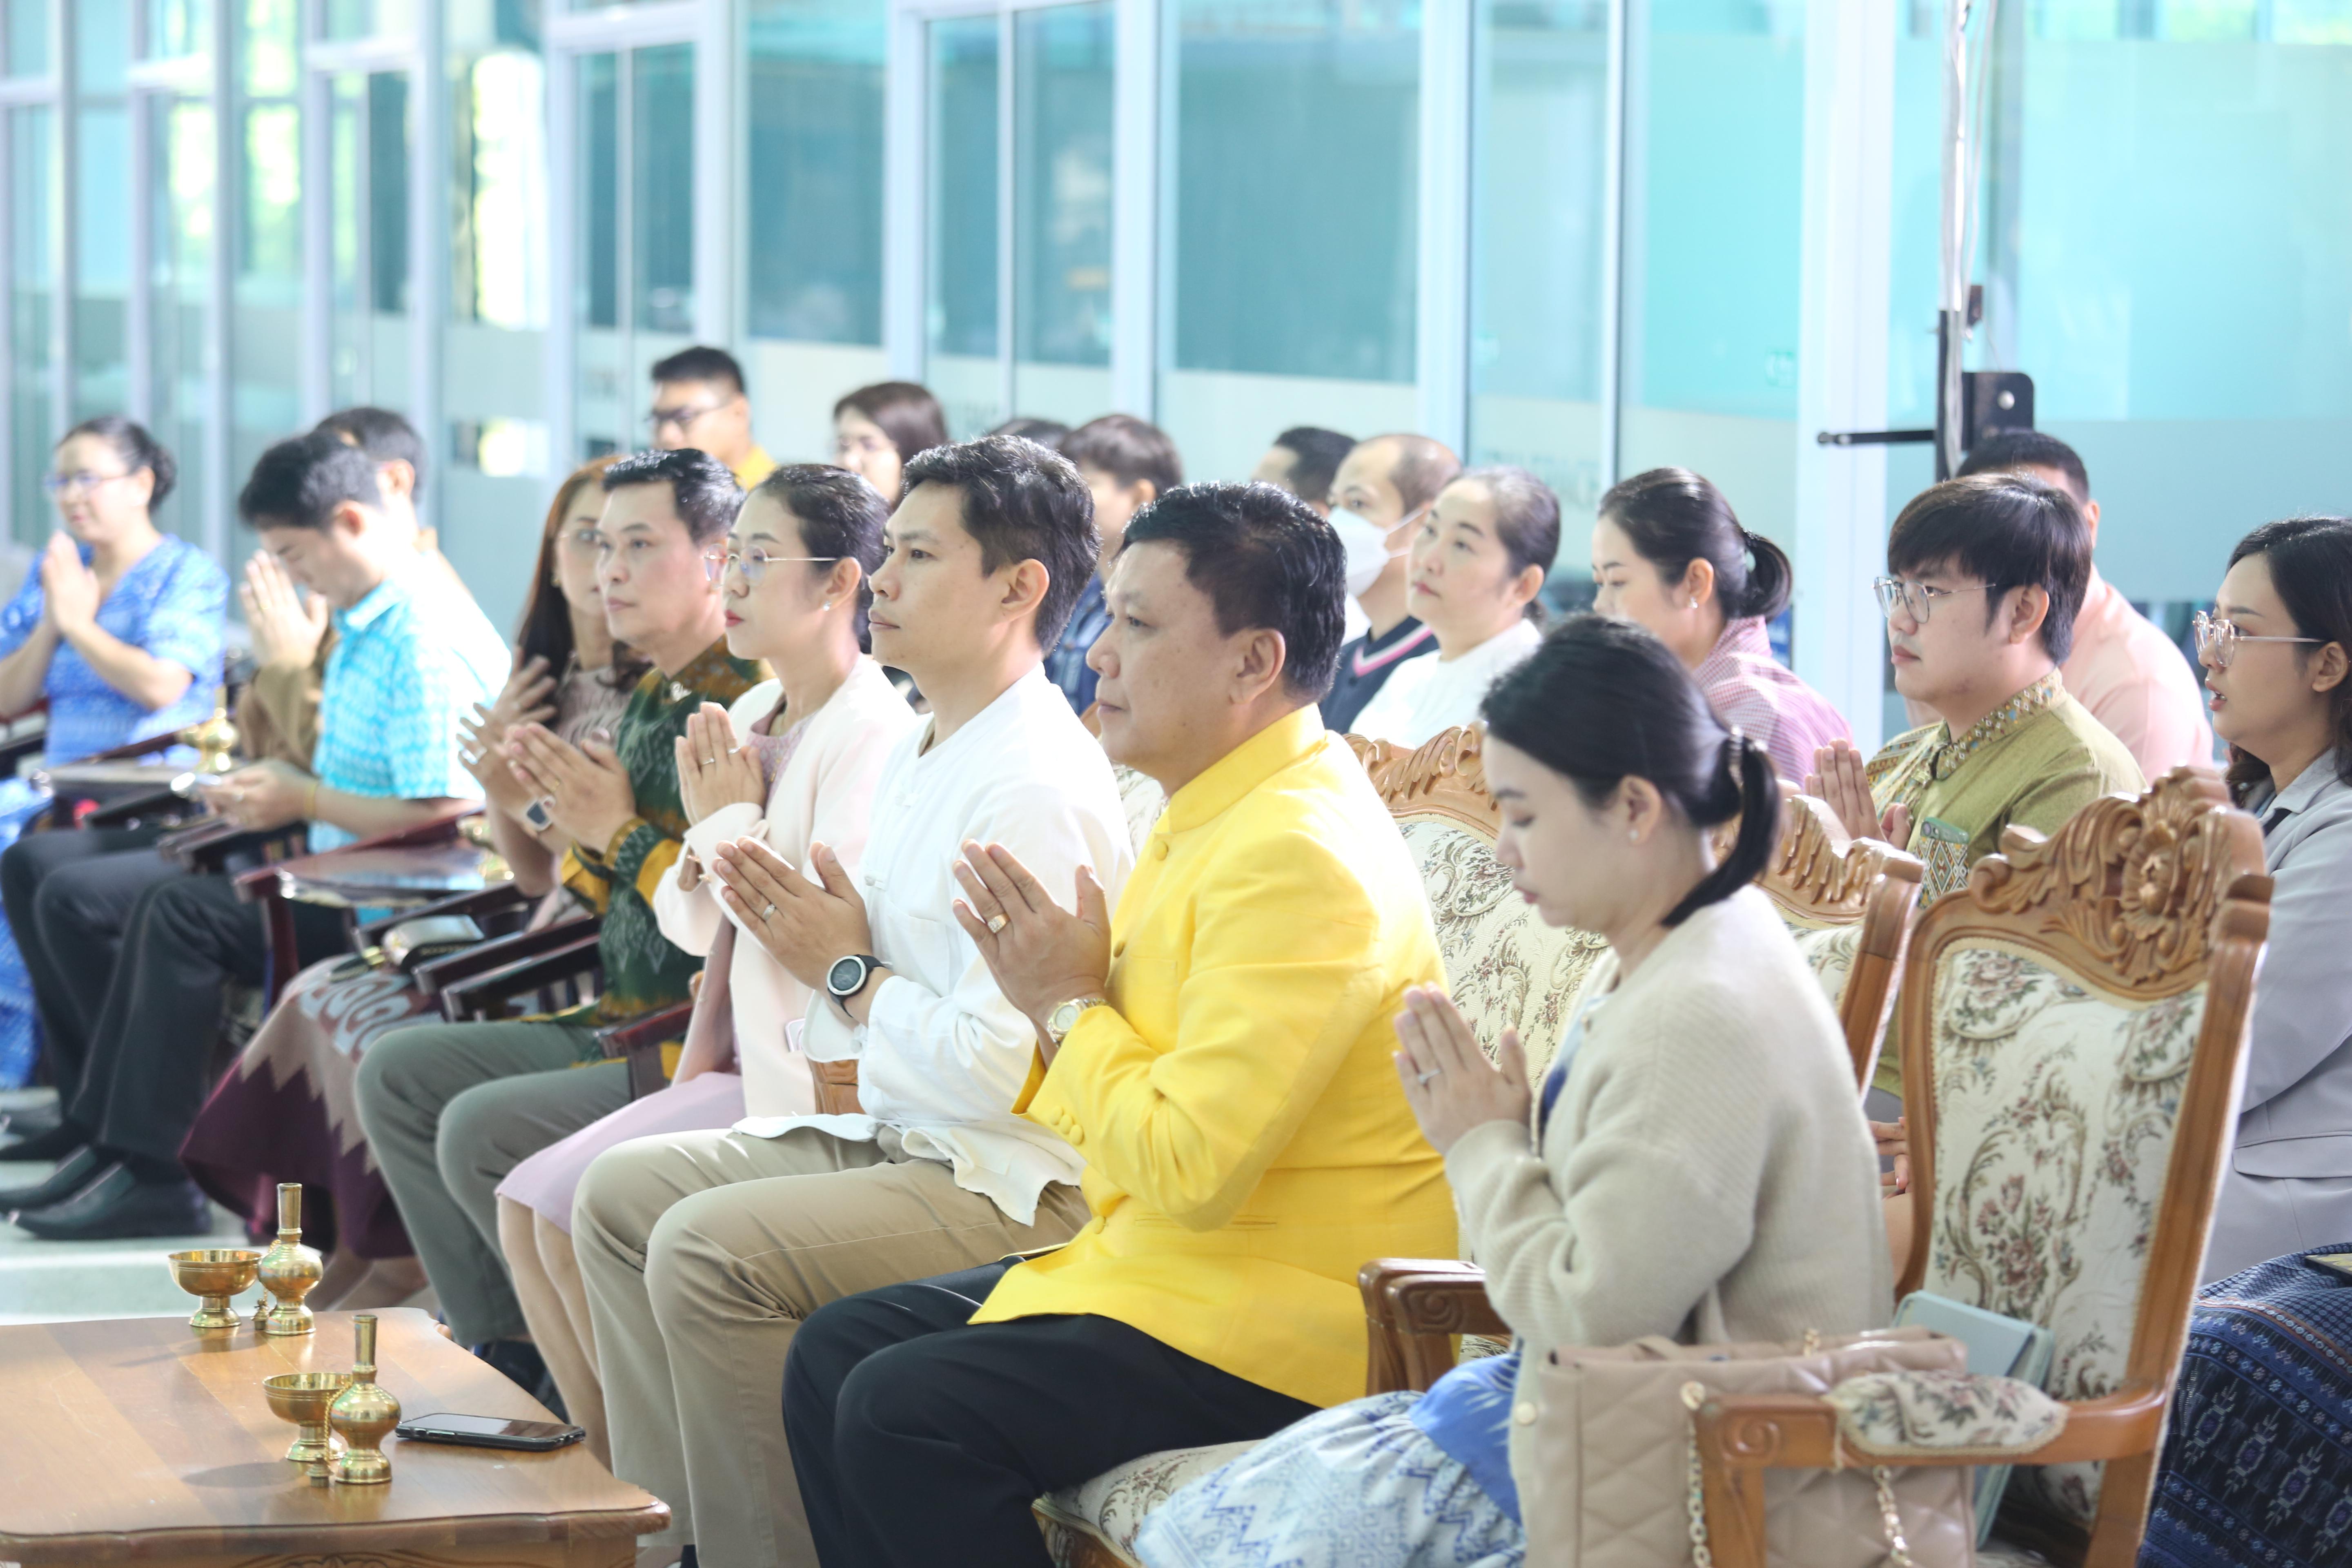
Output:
x=489 y=1432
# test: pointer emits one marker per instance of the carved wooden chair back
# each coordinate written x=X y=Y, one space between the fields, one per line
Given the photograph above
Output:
x=1503 y=966
x=1849 y=903
x=2074 y=1023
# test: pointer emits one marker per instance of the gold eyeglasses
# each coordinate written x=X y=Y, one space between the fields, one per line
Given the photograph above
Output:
x=2218 y=639
x=753 y=564
x=1917 y=598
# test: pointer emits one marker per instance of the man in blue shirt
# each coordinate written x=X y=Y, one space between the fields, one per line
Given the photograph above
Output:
x=407 y=662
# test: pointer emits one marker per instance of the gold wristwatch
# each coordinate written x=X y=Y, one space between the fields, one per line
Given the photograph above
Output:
x=1064 y=1017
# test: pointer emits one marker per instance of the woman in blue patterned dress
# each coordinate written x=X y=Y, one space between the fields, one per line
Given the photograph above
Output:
x=118 y=627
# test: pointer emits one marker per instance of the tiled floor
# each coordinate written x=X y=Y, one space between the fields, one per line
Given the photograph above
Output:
x=50 y=1280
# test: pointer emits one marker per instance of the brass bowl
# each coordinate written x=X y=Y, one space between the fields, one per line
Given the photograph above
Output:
x=303 y=1397
x=215 y=1273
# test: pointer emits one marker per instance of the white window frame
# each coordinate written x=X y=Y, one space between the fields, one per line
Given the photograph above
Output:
x=711 y=27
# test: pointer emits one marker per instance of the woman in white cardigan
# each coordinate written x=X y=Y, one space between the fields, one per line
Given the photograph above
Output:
x=1694 y=1164
x=792 y=764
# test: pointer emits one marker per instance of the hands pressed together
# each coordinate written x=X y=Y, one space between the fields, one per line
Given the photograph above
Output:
x=1040 y=954
x=715 y=768
x=585 y=787
x=1448 y=1081
x=1838 y=779
x=286 y=628
x=804 y=925
x=526 y=698
x=69 y=591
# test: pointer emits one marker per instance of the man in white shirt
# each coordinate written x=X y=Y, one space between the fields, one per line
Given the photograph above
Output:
x=702 y=1252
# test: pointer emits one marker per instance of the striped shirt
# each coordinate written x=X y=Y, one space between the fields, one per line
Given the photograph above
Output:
x=1748 y=687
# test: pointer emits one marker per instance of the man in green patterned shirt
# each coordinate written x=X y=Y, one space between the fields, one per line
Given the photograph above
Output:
x=2009 y=745
x=450 y=1108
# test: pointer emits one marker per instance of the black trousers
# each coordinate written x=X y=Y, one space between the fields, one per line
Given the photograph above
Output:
x=149 y=1064
x=68 y=897
x=921 y=1438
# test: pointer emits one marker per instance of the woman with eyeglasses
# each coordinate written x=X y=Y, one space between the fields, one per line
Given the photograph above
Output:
x=2277 y=658
x=794 y=763
x=118 y=628
x=878 y=430
x=284 y=1113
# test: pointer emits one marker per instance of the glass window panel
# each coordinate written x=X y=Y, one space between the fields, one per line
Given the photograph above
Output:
x=661 y=198
x=178 y=291
x=1061 y=211
x=1292 y=254
x=348 y=337
x=1713 y=187
x=604 y=405
x=962 y=366
x=268 y=47
x=101 y=47
x=177 y=27
x=101 y=260
x=1538 y=179
x=264 y=328
x=2199 y=408
x=501 y=208
x=367 y=18
x=387 y=192
x=814 y=226
x=32 y=205
x=28 y=38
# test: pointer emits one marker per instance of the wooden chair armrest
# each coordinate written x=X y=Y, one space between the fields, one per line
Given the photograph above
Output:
x=210 y=845
x=463 y=1000
x=1741 y=1435
x=138 y=808
x=437 y=974
x=492 y=900
x=639 y=1041
x=1414 y=1307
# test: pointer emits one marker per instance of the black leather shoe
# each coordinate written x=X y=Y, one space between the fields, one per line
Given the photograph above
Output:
x=50 y=1143
x=81 y=1167
x=119 y=1205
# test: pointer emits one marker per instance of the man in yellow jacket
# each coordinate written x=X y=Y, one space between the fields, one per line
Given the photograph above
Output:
x=1219 y=1053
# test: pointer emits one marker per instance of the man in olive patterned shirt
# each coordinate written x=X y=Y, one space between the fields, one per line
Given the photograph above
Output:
x=450 y=1108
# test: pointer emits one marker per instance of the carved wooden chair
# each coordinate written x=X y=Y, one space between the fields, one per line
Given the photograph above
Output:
x=1849 y=903
x=2073 y=1024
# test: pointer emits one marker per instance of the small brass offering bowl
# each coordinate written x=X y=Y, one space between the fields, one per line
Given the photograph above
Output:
x=302 y=1398
x=215 y=1273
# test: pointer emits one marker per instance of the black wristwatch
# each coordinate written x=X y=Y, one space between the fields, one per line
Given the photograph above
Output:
x=849 y=975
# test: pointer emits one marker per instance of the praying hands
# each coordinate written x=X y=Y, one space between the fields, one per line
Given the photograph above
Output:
x=586 y=790
x=1838 y=778
x=1448 y=1082
x=715 y=768
x=805 y=926
x=1040 y=954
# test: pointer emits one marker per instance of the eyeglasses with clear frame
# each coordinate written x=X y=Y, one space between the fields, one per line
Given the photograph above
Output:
x=753 y=564
x=2218 y=641
x=1917 y=598
x=684 y=418
x=80 y=482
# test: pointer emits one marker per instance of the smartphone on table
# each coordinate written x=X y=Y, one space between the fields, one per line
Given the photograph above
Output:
x=489 y=1431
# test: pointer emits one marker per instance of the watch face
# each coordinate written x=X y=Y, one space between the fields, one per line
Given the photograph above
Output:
x=845 y=976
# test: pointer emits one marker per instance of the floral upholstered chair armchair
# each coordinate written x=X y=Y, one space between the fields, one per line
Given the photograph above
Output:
x=2077 y=1015
x=1849 y=903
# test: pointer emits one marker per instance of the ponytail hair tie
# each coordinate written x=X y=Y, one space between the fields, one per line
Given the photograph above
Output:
x=1736 y=756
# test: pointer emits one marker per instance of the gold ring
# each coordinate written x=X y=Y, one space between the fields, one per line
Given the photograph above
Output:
x=997 y=923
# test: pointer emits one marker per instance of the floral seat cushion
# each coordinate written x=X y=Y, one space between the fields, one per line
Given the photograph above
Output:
x=1083 y=1522
x=2055 y=1106
x=1829 y=953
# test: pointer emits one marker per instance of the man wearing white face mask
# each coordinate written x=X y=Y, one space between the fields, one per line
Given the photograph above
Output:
x=1377 y=499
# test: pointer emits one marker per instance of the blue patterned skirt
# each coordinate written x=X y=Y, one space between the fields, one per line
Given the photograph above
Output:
x=2257 y=1466
x=1357 y=1486
x=20 y=1035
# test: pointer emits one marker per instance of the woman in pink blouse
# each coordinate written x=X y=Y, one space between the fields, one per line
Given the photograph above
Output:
x=1669 y=554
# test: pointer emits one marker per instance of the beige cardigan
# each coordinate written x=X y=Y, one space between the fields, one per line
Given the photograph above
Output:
x=1706 y=1174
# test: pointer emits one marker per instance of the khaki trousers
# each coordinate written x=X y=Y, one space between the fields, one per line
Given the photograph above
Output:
x=702 y=1252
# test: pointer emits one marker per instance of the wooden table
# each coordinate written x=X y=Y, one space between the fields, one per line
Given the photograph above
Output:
x=135 y=1440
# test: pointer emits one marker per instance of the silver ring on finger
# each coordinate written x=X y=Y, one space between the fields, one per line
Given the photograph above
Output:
x=998 y=922
x=767 y=914
x=1431 y=1074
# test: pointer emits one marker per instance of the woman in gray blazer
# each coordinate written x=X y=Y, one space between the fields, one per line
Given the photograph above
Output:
x=2277 y=656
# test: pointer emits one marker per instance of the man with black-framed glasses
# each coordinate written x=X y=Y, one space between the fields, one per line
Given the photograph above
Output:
x=1985 y=575
x=700 y=402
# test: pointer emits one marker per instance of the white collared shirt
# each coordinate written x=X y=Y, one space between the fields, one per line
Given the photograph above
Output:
x=1423 y=697
x=942 y=1055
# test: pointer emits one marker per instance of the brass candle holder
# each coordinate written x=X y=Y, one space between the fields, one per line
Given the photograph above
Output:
x=363 y=1415
x=214 y=738
x=214 y=1273
x=303 y=1397
x=289 y=1270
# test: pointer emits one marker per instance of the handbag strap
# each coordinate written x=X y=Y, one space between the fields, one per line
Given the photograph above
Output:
x=1898 y=1550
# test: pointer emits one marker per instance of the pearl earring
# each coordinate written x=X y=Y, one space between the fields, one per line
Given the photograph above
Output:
x=1634 y=836
x=828 y=604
